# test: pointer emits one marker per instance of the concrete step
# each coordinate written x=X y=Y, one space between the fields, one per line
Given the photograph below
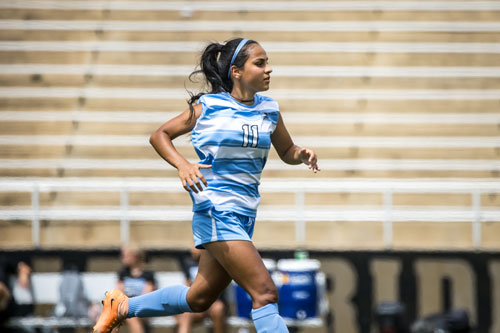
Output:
x=38 y=104
x=13 y=35
x=319 y=235
x=361 y=106
x=15 y=235
x=293 y=82
x=268 y=199
x=63 y=151
x=169 y=172
x=37 y=128
x=333 y=221
x=436 y=235
x=356 y=129
x=295 y=59
x=179 y=82
x=270 y=27
x=207 y=34
x=45 y=57
x=407 y=235
x=46 y=80
x=141 y=72
x=91 y=234
x=297 y=10
x=50 y=14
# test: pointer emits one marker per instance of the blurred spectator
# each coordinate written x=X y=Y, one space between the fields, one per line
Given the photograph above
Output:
x=5 y=294
x=22 y=291
x=216 y=312
x=73 y=300
x=134 y=280
x=454 y=321
x=391 y=317
x=16 y=295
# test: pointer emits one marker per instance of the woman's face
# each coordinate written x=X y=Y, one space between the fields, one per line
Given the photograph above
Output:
x=128 y=257
x=256 y=73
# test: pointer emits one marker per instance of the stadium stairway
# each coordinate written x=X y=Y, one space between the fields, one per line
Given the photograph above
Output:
x=403 y=91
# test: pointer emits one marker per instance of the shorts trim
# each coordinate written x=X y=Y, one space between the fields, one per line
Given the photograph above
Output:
x=214 y=227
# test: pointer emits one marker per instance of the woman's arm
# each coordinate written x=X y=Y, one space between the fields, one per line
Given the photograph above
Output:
x=289 y=152
x=161 y=140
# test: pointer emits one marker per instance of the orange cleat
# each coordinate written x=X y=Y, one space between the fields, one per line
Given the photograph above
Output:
x=113 y=314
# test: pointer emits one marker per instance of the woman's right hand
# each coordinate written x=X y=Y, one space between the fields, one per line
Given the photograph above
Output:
x=190 y=175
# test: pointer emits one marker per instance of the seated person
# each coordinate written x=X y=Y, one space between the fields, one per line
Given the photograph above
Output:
x=134 y=280
x=16 y=296
x=5 y=296
x=216 y=313
x=22 y=291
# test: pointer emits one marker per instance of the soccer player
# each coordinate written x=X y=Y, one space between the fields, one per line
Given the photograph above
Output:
x=232 y=130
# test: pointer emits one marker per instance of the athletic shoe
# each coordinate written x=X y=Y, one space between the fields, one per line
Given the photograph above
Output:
x=110 y=317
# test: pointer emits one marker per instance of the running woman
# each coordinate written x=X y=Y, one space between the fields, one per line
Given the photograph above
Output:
x=232 y=130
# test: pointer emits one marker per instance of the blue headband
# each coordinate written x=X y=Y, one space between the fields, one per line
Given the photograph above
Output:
x=235 y=54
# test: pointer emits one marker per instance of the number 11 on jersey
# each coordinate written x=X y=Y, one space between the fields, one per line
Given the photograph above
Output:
x=250 y=138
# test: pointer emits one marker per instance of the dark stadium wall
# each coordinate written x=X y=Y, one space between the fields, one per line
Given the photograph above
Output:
x=424 y=282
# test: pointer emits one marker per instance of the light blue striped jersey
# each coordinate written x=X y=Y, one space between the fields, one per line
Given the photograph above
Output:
x=235 y=139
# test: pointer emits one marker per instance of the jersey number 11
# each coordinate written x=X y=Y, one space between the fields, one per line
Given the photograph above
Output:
x=250 y=139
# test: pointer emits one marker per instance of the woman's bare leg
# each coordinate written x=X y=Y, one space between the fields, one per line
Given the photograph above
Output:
x=209 y=283
x=243 y=263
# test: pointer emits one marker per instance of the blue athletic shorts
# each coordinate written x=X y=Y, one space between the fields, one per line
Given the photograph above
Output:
x=211 y=226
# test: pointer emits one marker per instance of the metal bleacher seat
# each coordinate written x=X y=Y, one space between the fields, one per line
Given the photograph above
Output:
x=399 y=98
x=317 y=214
x=399 y=93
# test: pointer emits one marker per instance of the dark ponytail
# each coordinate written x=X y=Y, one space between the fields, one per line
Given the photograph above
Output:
x=214 y=66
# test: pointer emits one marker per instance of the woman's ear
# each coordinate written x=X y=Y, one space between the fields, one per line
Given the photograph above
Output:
x=236 y=72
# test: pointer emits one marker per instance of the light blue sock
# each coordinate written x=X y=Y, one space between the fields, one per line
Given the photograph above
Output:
x=267 y=320
x=163 y=302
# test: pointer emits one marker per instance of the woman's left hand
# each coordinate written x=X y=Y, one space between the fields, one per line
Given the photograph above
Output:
x=309 y=158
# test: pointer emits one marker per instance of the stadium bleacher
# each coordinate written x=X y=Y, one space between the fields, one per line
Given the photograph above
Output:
x=399 y=98
x=386 y=92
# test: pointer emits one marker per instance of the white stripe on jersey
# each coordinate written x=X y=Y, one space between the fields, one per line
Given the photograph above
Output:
x=228 y=123
x=227 y=199
x=214 y=226
x=216 y=100
x=241 y=178
x=235 y=152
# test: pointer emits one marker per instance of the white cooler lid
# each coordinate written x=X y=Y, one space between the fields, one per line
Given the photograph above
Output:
x=298 y=265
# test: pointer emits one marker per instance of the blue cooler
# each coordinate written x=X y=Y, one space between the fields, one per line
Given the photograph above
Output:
x=298 y=295
x=243 y=299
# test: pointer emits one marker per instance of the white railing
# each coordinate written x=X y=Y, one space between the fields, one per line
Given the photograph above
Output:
x=245 y=6
x=298 y=212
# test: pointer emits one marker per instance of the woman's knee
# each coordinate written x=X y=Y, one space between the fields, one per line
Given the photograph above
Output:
x=200 y=299
x=268 y=294
x=200 y=304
